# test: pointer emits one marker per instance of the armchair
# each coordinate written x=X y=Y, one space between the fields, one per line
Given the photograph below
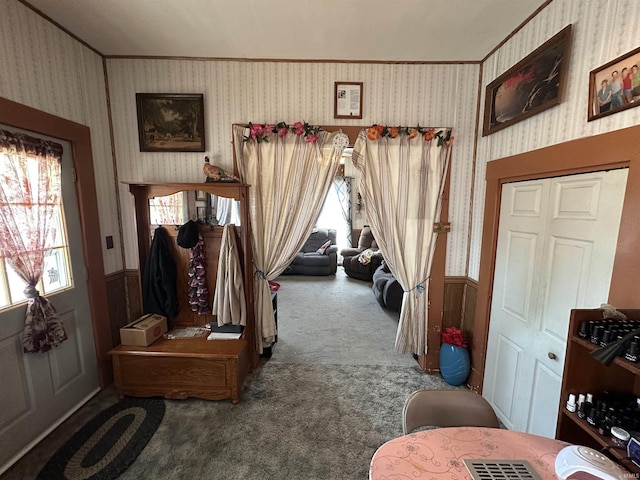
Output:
x=361 y=262
x=310 y=261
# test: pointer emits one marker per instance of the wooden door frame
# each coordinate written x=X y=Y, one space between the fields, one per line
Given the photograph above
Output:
x=27 y=118
x=601 y=152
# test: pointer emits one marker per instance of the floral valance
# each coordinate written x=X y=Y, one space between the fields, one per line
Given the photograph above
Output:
x=19 y=142
x=381 y=131
x=260 y=132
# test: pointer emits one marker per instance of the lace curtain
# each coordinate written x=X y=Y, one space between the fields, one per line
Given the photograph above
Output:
x=290 y=176
x=403 y=177
x=30 y=202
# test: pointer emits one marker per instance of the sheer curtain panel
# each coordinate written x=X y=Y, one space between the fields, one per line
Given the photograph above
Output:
x=403 y=175
x=290 y=171
x=30 y=193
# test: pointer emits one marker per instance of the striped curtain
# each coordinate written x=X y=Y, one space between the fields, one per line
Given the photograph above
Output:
x=289 y=177
x=402 y=182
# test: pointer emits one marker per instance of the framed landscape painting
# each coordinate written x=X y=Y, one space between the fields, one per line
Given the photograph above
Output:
x=532 y=85
x=170 y=122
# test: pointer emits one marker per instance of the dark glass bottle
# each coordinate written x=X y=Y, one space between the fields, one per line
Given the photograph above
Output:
x=585 y=330
x=596 y=334
x=632 y=353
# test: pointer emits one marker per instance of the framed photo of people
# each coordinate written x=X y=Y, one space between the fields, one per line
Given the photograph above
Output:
x=615 y=86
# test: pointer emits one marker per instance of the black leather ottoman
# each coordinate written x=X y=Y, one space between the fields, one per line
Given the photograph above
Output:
x=387 y=289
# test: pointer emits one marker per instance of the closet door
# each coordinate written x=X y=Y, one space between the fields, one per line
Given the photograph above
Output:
x=556 y=246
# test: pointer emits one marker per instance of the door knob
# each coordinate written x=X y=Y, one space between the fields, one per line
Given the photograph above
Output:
x=551 y=355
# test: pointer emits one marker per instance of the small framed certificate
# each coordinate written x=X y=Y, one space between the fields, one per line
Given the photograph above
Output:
x=347 y=101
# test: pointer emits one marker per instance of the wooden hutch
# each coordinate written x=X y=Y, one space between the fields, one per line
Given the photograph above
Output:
x=190 y=367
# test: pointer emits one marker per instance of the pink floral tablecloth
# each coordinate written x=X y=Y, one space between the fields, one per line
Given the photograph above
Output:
x=440 y=453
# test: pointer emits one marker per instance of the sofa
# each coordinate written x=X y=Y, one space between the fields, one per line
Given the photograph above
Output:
x=362 y=262
x=387 y=289
x=312 y=259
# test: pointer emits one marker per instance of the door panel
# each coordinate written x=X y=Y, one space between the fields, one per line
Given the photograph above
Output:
x=565 y=287
x=544 y=381
x=507 y=365
x=555 y=251
x=518 y=272
x=44 y=388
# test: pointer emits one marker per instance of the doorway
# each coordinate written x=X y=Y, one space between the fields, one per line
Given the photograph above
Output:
x=21 y=116
x=556 y=247
x=336 y=212
x=42 y=387
x=611 y=150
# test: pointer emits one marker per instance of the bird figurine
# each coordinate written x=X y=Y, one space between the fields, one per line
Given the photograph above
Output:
x=217 y=174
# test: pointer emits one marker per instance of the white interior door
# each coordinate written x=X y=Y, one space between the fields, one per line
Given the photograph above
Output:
x=556 y=244
x=38 y=391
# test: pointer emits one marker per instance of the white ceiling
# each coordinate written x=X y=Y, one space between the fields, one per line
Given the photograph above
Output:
x=356 y=30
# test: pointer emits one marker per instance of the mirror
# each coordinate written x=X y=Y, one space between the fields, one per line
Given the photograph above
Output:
x=168 y=210
x=223 y=211
x=207 y=208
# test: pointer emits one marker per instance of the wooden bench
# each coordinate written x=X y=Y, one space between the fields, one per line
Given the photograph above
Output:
x=182 y=368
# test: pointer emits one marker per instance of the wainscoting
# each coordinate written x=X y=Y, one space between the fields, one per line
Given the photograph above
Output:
x=125 y=300
x=459 y=303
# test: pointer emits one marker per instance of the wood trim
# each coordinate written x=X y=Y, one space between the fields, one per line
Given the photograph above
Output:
x=293 y=60
x=124 y=295
x=601 y=152
x=53 y=22
x=27 y=118
x=114 y=163
x=431 y=361
x=516 y=30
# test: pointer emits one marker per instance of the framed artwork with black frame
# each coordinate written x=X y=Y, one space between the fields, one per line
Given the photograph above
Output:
x=170 y=122
x=615 y=86
x=531 y=86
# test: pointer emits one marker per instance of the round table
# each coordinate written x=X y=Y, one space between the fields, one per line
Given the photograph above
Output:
x=440 y=453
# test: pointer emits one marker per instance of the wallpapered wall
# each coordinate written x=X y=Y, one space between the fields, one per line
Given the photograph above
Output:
x=601 y=32
x=239 y=92
x=44 y=68
x=50 y=71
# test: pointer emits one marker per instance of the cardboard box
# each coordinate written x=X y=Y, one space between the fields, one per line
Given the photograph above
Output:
x=144 y=331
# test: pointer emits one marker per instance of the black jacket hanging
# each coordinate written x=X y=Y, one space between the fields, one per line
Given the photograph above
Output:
x=159 y=292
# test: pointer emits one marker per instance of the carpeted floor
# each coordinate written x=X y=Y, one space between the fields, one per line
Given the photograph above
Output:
x=331 y=394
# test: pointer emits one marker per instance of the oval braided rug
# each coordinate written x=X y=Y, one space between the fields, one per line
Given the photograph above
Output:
x=108 y=443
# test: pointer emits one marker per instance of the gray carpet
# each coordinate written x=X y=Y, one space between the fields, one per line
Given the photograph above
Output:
x=318 y=409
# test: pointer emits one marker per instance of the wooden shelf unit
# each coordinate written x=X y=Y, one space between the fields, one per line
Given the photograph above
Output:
x=584 y=374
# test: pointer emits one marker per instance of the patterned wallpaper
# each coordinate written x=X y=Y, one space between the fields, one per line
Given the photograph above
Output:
x=238 y=92
x=67 y=79
x=44 y=68
x=601 y=32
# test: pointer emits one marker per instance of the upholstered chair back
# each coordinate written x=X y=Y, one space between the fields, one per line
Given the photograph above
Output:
x=366 y=239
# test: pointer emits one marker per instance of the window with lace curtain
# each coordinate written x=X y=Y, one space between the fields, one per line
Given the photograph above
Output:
x=56 y=271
